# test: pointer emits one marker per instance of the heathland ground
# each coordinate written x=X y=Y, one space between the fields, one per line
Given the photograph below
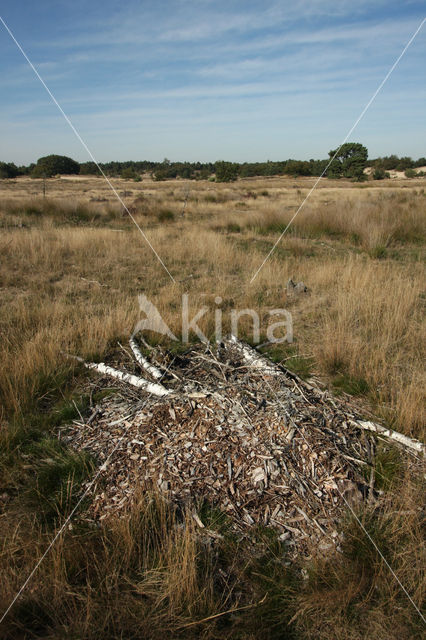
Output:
x=73 y=264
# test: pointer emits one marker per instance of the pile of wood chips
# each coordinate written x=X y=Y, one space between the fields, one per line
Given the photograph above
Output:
x=236 y=431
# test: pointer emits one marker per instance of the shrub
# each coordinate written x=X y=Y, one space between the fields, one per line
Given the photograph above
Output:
x=165 y=215
x=410 y=173
x=380 y=174
x=159 y=176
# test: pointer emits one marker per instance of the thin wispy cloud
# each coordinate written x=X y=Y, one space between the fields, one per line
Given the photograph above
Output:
x=256 y=68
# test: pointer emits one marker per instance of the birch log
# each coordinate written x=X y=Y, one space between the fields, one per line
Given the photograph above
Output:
x=252 y=357
x=258 y=362
x=410 y=443
x=150 y=387
x=143 y=362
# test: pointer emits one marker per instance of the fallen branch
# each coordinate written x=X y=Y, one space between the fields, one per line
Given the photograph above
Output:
x=410 y=443
x=252 y=357
x=143 y=362
x=150 y=387
x=258 y=362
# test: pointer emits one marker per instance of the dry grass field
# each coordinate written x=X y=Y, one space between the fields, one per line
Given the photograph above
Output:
x=72 y=266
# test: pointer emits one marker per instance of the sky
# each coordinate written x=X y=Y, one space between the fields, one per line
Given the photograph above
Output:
x=203 y=80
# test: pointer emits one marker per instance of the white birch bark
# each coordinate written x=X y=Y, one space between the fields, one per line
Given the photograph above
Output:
x=143 y=362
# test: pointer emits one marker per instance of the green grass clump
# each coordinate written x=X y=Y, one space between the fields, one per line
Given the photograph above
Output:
x=233 y=227
x=351 y=385
x=58 y=474
x=165 y=215
x=388 y=466
x=288 y=356
x=378 y=252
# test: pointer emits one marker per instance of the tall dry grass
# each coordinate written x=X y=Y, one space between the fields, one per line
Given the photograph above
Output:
x=144 y=575
x=373 y=328
x=72 y=287
x=151 y=573
x=373 y=220
x=354 y=595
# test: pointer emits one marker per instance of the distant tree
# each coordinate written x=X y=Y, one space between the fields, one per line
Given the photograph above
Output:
x=387 y=162
x=52 y=165
x=298 y=168
x=30 y=169
x=350 y=161
x=203 y=174
x=421 y=162
x=8 y=170
x=26 y=170
x=89 y=168
x=317 y=166
x=247 y=170
x=405 y=163
x=226 y=171
x=390 y=162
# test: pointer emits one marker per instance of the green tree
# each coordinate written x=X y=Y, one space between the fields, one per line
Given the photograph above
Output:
x=52 y=165
x=89 y=168
x=8 y=170
x=350 y=161
x=129 y=174
x=226 y=171
x=404 y=163
x=298 y=168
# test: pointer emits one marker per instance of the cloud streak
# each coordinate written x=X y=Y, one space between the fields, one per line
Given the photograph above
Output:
x=224 y=66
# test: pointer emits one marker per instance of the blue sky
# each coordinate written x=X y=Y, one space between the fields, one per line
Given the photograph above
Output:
x=206 y=80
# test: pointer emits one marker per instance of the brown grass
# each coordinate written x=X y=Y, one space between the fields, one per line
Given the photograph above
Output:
x=374 y=220
x=71 y=270
x=141 y=576
x=354 y=595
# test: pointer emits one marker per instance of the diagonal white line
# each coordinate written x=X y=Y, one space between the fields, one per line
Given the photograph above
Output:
x=90 y=485
x=52 y=542
x=357 y=121
x=348 y=506
x=117 y=195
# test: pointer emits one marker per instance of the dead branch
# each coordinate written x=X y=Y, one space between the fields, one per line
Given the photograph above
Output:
x=410 y=443
x=143 y=362
x=150 y=387
x=259 y=362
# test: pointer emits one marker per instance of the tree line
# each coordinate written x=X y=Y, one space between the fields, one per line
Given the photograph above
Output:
x=349 y=161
